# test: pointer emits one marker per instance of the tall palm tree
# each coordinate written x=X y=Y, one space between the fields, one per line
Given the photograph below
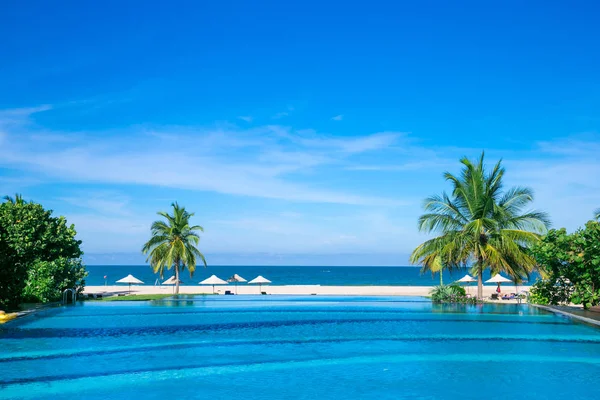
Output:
x=174 y=243
x=597 y=214
x=482 y=225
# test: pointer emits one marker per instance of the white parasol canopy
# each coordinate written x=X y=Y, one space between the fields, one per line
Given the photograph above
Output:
x=260 y=280
x=498 y=279
x=467 y=278
x=130 y=279
x=213 y=280
x=172 y=281
x=236 y=278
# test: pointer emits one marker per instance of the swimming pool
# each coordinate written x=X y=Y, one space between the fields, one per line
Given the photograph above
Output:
x=294 y=347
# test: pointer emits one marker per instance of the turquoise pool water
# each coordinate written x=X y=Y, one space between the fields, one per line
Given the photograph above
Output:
x=277 y=347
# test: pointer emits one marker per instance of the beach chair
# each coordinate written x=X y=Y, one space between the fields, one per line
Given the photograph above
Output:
x=263 y=292
x=494 y=296
x=228 y=292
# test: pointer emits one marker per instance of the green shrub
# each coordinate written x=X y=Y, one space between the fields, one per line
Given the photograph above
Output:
x=551 y=292
x=452 y=293
x=39 y=253
x=46 y=280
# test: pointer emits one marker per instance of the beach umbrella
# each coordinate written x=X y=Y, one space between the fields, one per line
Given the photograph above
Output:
x=172 y=281
x=213 y=280
x=130 y=279
x=260 y=280
x=498 y=279
x=236 y=278
x=467 y=279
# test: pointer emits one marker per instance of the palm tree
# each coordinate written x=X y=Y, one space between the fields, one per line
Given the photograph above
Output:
x=174 y=243
x=482 y=225
x=431 y=263
x=597 y=214
x=18 y=199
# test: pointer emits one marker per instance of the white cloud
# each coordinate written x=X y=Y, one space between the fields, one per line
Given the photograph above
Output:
x=280 y=115
x=338 y=117
x=246 y=118
x=225 y=160
x=354 y=145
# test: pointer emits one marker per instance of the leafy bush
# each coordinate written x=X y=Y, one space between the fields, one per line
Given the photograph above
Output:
x=551 y=292
x=46 y=280
x=453 y=293
x=37 y=251
x=572 y=258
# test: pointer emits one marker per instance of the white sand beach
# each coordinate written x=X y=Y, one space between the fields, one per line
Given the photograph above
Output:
x=296 y=289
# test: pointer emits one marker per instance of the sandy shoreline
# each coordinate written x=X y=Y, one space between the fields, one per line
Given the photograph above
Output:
x=295 y=290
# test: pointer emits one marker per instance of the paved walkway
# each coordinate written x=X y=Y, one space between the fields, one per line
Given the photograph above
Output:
x=575 y=312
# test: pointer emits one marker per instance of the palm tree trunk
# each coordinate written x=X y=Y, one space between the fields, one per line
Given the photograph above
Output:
x=480 y=278
x=177 y=277
x=441 y=278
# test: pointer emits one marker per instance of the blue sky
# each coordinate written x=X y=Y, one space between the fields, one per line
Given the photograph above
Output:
x=299 y=132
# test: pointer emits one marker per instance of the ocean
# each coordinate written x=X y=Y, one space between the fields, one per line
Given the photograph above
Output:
x=284 y=275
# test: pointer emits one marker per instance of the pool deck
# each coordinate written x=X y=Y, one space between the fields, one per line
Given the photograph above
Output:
x=575 y=312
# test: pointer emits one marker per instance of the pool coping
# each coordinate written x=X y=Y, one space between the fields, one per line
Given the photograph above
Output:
x=587 y=320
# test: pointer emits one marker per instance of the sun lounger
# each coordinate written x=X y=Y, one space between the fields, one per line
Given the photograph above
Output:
x=494 y=296
x=228 y=292
x=263 y=292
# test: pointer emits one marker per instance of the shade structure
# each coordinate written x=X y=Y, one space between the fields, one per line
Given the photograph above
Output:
x=130 y=279
x=498 y=279
x=236 y=278
x=467 y=278
x=172 y=281
x=260 y=280
x=213 y=280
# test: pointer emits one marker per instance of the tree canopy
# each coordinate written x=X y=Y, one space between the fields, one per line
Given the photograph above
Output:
x=572 y=265
x=39 y=254
x=481 y=224
x=173 y=243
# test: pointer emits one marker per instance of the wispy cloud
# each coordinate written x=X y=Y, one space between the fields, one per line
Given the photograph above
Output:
x=354 y=145
x=198 y=159
x=338 y=117
x=283 y=114
x=246 y=118
x=280 y=115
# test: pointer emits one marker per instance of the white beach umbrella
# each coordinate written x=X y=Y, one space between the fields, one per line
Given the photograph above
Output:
x=236 y=278
x=213 y=280
x=260 y=280
x=467 y=279
x=172 y=281
x=498 y=279
x=130 y=279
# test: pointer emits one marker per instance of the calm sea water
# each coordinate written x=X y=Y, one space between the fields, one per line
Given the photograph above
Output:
x=297 y=347
x=284 y=275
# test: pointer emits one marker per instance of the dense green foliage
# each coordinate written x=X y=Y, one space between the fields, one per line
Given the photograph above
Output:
x=174 y=243
x=39 y=255
x=571 y=263
x=46 y=280
x=452 y=293
x=480 y=224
